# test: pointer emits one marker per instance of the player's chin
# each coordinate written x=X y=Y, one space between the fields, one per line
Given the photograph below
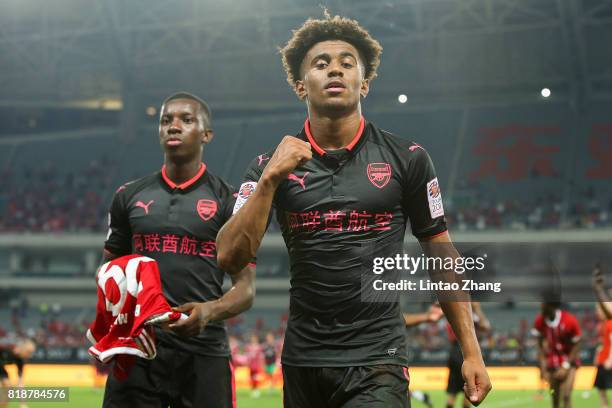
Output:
x=338 y=105
x=176 y=153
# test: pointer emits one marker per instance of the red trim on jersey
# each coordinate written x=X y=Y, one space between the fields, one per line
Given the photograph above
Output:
x=437 y=235
x=406 y=374
x=231 y=367
x=186 y=184
x=320 y=150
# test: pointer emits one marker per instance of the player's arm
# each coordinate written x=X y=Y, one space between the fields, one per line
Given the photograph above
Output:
x=562 y=372
x=600 y=292
x=575 y=350
x=459 y=315
x=431 y=316
x=235 y=301
x=483 y=323
x=119 y=237
x=414 y=319
x=240 y=237
x=542 y=358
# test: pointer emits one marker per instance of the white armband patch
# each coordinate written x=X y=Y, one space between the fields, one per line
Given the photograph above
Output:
x=246 y=190
x=434 y=197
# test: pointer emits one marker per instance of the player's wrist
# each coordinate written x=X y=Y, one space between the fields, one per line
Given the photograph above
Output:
x=474 y=358
x=269 y=180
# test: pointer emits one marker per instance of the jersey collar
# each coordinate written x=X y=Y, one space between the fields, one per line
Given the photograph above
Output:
x=555 y=322
x=320 y=150
x=186 y=184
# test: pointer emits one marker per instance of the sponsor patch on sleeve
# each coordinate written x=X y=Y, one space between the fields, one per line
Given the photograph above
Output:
x=246 y=190
x=434 y=197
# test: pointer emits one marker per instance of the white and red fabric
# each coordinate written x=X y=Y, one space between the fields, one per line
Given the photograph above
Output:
x=130 y=298
x=561 y=334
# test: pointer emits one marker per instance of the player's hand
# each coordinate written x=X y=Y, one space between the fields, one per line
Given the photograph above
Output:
x=434 y=313
x=607 y=364
x=199 y=316
x=290 y=153
x=477 y=382
x=560 y=374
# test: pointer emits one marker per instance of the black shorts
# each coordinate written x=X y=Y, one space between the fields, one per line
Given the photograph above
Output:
x=603 y=379
x=3 y=372
x=455 y=378
x=174 y=378
x=377 y=386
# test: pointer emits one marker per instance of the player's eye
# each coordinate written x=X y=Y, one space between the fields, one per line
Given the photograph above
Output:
x=188 y=120
x=321 y=64
x=347 y=65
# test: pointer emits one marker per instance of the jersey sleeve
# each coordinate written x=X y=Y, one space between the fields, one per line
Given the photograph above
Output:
x=422 y=198
x=229 y=202
x=249 y=182
x=574 y=329
x=119 y=237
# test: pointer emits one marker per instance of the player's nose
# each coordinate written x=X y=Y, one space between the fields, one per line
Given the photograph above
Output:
x=174 y=128
x=334 y=71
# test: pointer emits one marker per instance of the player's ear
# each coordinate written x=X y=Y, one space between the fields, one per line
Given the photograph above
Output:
x=365 y=88
x=207 y=136
x=300 y=89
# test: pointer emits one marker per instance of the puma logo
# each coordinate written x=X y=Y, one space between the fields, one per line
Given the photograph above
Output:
x=262 y=158
x=298 y=179
x=414 y=147
x=145 y=206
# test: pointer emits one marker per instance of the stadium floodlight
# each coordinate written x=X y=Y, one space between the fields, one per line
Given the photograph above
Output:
x=402 y=98
x=545 y=92
x=151 y=111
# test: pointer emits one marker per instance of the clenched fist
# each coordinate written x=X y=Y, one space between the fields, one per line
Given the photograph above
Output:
x=290 y=153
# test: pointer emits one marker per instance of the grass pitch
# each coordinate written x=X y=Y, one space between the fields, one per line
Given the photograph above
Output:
x=84 y=397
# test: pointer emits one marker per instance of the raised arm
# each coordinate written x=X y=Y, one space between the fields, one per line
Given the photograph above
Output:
x=600 y=292
x=240 y=237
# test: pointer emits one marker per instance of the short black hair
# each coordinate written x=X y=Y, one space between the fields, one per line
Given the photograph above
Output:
x=314 y=31
x=186 y=95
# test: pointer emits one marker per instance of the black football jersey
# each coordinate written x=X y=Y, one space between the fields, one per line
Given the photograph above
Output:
x=330 y=210
x=177 y=226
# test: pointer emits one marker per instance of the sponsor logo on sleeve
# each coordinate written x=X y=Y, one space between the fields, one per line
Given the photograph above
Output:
x=246 y=190
x=434 y=197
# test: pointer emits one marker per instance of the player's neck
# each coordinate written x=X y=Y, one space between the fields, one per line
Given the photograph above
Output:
x=182 y=172
x=332 y=133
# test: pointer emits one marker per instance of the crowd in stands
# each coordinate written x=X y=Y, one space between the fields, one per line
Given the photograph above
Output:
x=50 y=199
x=585 y=210
x=47 y=326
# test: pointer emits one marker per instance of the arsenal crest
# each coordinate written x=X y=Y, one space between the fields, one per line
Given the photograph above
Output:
x=379 y=174
x=207 y=209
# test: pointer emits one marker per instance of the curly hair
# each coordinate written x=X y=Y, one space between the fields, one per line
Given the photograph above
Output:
x=314 y=31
